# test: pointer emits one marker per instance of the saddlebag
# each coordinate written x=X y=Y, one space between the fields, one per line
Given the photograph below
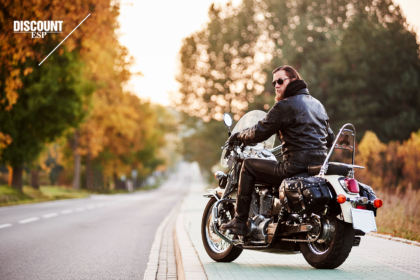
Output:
x=304 y=195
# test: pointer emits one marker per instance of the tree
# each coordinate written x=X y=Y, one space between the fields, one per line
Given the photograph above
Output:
x=50 y=101
x=226 y=66
x=21 y=80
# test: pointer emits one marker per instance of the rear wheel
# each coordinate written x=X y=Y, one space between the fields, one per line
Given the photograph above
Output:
x=217 y=248
x=331 y=253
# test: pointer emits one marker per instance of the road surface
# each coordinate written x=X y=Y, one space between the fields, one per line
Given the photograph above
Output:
x=101 y=237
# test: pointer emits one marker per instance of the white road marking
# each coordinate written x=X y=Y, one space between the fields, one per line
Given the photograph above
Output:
x=67 y=211
x=46 y=216
x=91 y=207
x=80 y=209
x=5 y=225
x=28 y=220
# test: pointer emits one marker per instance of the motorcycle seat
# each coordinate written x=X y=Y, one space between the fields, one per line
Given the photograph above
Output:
x=332 y=170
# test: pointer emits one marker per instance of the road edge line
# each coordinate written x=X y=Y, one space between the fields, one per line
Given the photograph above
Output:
x=397 y=239
x=153 y=263
x=178 y=257
x=185 y=248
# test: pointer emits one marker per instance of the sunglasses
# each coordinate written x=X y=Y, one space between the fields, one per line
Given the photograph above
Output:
x=279 y=81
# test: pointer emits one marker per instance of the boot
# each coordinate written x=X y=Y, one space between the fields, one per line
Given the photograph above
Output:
x=243 y=202
x=239 y=224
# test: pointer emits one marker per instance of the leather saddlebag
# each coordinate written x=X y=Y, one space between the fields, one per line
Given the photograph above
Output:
x=304 y=195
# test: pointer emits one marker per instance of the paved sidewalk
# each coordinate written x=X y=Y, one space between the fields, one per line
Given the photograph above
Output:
x=376 y=258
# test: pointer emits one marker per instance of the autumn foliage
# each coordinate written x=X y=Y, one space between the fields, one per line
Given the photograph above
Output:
x=74 y=101
x=389 y=166
x=393 y=171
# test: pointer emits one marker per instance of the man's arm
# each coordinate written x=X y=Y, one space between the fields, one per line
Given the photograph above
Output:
x=330 y=137
x=268 y=126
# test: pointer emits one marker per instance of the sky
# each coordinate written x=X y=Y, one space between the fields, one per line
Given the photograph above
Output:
x=153 y=32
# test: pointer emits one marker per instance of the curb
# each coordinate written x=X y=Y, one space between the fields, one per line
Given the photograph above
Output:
x=153 y=264
x=187 y=261
x=397 y=239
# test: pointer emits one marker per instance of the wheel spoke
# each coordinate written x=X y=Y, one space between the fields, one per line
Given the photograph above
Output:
x=217 y=243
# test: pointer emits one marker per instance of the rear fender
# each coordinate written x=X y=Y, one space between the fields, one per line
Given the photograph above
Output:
x=346 y=206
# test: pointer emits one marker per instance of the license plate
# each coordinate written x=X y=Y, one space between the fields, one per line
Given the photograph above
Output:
x=363 y=220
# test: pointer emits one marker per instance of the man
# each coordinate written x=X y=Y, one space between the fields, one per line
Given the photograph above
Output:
x=301 y=123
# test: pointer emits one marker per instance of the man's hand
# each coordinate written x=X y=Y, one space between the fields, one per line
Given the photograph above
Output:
x=234 y=139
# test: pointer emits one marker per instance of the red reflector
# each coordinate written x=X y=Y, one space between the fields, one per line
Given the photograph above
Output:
x=352 y=185
x=361 y=207
x=341 y=198
x=377 y=203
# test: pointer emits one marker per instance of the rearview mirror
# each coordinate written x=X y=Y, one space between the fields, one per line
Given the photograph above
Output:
x=227 y=119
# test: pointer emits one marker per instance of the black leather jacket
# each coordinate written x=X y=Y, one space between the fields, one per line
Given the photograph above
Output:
x=302 y=125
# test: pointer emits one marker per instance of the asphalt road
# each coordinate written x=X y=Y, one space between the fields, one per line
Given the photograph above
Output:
x=101 y=237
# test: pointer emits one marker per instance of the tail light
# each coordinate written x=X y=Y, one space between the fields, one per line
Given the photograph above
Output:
x=377 y=203
x=361 y=207
x=341 y=198
x=352 y=185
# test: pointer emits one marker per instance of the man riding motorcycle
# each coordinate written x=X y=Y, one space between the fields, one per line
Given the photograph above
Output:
x=302 y=125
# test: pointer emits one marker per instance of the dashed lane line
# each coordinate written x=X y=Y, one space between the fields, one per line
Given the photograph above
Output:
x=5 y=225
x=33 y=219
x=68 y=211
x=50 y=215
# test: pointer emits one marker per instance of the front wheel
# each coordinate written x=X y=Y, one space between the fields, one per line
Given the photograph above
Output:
x=217 y=248
x=336 y=248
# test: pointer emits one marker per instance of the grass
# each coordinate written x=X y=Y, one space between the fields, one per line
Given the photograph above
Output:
x=10 y=196
x=400 y=214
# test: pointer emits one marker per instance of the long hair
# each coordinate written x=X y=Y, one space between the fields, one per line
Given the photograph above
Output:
x=290 y=72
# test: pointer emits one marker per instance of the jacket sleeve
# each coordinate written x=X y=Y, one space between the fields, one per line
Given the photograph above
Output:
x=271 y=124
x=330 y=137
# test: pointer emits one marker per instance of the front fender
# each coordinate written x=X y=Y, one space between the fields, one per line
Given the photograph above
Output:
x=218 y=193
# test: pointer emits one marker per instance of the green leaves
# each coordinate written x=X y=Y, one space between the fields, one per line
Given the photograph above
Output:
x=357 y=57
x=50 y=102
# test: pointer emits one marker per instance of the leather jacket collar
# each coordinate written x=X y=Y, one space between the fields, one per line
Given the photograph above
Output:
x=294 y=88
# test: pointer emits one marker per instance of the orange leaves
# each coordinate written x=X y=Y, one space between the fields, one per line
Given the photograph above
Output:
x=410 y=153
x=389 y=165
x=12 y=83
x=27 y=71
x=16 y=48
x=5 y=140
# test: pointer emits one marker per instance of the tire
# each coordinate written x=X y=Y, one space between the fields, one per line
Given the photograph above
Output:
x=217 y=249
x=333 y=254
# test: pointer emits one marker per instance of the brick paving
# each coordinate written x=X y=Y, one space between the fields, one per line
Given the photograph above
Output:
x=376 y=258
x=167 y=263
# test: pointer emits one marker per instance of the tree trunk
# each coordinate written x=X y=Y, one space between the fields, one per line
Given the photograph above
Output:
x=17 y=178
x=77 y=161
x=77 y=164
x=10 y=169
x=89 y=172
x=35 y=178
x=114 y=175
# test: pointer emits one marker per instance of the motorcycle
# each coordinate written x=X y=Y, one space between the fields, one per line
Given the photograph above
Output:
x=324 y=232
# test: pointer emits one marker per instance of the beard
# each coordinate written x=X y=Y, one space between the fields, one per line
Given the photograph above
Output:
x=279 y=96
